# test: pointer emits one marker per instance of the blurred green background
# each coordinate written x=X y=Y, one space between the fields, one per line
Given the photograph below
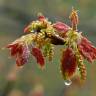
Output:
x=14 y=16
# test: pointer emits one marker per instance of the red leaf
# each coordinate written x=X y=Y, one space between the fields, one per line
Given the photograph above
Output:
x=15 y=48
x=36 y=52
x=20 y=61
x=20 y=52
x=61 y=27
x=68 y=63
x=87 y=49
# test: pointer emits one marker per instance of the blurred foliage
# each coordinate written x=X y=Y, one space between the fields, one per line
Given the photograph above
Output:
x=14 y=16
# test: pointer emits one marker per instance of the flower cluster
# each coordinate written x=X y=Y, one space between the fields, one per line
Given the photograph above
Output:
x=41 y=38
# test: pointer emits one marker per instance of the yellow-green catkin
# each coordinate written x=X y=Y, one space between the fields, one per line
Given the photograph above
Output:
x=49 y=51
x=81 y=66
x=40 y=39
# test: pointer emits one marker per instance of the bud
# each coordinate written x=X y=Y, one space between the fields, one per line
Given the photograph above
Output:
x=41 y=17
x=74 y=19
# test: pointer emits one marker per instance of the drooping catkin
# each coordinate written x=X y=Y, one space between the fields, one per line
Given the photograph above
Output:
x=81 y=66
x=51 y=53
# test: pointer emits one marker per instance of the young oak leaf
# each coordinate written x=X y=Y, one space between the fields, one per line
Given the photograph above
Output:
x=36 y=52
x=15 y=48
x=20 y=52
x=87 y=50
x=68 y=63
x=61 y=28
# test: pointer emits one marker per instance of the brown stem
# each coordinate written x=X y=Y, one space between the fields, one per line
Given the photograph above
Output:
x=56 y=40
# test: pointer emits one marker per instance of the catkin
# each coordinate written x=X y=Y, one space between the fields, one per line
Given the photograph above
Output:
x=81 y=66
x=51 y=53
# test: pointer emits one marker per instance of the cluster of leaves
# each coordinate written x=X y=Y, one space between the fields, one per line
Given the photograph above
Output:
x=41 y=38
